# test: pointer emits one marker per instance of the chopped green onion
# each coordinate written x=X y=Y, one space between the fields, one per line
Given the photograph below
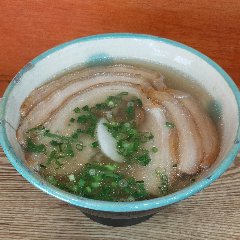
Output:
x=97 y=178
x=143 y=159
x=92 y=172
x=113 y=101
x=85 y=108
x=129 y=141
x=35 y=148
x=106 y=184
x=146 y=136
x=69 y=150
x=95 y=184
x=127 y=125
x=169 y=125
x=95 y=144
x=79 y=146
x=124 y=93
x=51 y=157
x=111 y=104
x=75 y=136
x=130 y=112
x=130 y=104
x=38 y=128
x=111 y=167
x=77 y=110
x=71 y=178
x=114 y=184
x=123 y=183
x=55 y=143
x=81 y=182
x=82 y=119
x=52 y=180
x=88 y=189
x=72 y=120
x=59 y=164
x=154 y=149
x=74 y=188
x=91 y=130
x=100 y=106
x=56 y=136
x=164 y=182
x=139 y=102
x=131 y=199
x=42 y=166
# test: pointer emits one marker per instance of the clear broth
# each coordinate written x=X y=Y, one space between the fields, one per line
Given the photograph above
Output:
x=173 y=79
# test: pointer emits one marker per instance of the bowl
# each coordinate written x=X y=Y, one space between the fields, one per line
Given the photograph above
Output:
x=135 y=47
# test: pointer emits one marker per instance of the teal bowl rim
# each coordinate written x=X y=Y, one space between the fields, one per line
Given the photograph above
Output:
x=117 y=206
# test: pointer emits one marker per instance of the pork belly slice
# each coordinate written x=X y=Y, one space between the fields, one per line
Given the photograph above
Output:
x=41 y=112
x=58 y=121
x=190 y=144
x=207 y=129
x=37 y=95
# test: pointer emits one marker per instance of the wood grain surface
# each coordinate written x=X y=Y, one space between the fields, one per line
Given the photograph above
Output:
x=29 y=27
x=28 y=213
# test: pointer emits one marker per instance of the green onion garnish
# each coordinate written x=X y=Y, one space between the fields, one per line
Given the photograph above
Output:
x=169 y=125
x=79 y=146
x=95 y=144
x=71 y=177
x=72 y=120
x=35 y=148
x=77 y=110
x=85 y=108
x=154 y=149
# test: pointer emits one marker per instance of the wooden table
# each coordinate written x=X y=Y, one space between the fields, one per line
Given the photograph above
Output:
x=28 y=28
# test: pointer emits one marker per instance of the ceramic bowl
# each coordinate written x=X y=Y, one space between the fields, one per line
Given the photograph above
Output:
x=110 y=47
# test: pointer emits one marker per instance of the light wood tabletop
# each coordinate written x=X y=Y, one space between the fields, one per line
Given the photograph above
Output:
x=30 y=27
x=28 y=213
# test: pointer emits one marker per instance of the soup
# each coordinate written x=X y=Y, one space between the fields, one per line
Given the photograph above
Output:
x=119 y=132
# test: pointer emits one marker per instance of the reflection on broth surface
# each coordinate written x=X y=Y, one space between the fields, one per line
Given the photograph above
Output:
x=119 y=132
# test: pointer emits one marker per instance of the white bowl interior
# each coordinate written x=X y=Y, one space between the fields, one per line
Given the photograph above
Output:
x=148 y=50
